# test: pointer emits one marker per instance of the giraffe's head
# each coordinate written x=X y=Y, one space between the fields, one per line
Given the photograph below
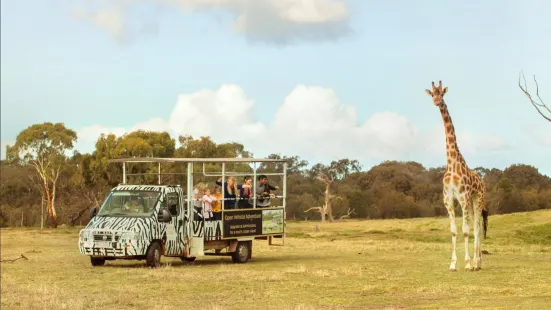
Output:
x=437 y=93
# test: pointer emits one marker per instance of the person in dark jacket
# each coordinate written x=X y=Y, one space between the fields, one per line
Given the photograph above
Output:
x=246 y=193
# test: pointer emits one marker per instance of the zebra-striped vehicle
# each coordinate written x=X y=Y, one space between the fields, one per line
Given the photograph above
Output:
x=145 y=222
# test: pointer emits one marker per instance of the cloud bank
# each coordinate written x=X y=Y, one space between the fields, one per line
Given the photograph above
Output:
x=274 y=21
x=311 y=122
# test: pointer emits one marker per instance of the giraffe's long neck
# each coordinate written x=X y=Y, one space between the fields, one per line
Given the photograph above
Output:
x=452 y=151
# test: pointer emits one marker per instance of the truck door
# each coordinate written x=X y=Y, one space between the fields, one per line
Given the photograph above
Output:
x=174 y=230
x=198 y=229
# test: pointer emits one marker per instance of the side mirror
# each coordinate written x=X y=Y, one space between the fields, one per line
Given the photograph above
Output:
x=164 y=216
x=93 y=212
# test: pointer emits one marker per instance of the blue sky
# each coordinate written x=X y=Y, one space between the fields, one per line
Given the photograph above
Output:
x=364 y=73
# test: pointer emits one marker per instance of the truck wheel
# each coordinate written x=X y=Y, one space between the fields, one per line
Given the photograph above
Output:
x=187 y=259
x=96 y=261
x=153 y=257
x=242 y=252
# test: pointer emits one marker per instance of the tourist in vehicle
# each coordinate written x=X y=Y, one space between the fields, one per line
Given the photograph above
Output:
x=197 y=205
x=208 y=199
x=263 y=189
x=217 y=204
x=246 y=193
x=231 y=190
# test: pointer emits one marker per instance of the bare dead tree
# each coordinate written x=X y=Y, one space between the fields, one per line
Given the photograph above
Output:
x=322 y=211
x=538 y=103
x=327 y=209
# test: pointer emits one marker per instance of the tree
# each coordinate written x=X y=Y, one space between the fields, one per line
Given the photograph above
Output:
x=295 y=164
x=44 y=147
x=538 y=103
x=337 y=170
x=138 y=143
x=326 y=209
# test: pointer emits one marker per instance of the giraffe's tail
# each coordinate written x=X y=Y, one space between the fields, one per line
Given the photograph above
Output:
x=485 y=220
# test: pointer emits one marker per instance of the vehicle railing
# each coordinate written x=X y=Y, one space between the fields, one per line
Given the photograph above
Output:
x=235 y=174
x=237 y=199
x=222 y=174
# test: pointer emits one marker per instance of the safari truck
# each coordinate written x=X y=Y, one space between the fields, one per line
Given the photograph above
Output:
x=145 y=222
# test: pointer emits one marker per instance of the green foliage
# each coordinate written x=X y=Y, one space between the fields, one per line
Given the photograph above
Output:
x=46 y=141
x=391 y=189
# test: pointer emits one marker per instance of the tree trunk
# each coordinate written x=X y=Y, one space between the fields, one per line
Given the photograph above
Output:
x=51 y=214
x=328 y=207
x=42 y=213
x=49 y=203
x=52 y=208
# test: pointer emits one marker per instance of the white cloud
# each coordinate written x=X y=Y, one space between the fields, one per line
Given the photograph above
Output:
x=154 y=124
x=469 y=143
x=109 y=19
x=277 y=21
x=87 y=136
x=311 y=122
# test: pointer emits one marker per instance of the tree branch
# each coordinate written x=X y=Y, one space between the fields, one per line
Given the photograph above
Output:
x=13 y=260
x=319 y=209
x=78 y=215
x=538 y=105
x=348 y=213
x=325 y=178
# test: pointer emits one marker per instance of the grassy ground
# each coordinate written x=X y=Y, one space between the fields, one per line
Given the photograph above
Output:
x=350 y=265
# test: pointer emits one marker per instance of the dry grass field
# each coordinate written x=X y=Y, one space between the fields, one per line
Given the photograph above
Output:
x=378 y=264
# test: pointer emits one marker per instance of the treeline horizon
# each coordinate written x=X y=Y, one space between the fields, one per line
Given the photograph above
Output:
x=41 y=185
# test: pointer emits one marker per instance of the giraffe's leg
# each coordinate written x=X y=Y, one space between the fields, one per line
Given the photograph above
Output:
x=478 y=205
x=448 y=202
x=466 y=206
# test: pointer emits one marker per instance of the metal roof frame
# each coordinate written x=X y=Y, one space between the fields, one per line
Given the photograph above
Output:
x=194 y=160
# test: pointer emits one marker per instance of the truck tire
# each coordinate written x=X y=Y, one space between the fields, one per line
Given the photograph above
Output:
x=187 y=259
x=97 y=261
x=153 y=256
x=242 y=252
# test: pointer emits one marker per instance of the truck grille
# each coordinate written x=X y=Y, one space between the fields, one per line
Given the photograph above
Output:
x=107 y=238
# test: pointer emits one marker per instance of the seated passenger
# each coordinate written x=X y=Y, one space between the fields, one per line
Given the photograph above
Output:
x=246 y=193
x=217 y=204
x=230 y=192
x=197 y=205
x=208 y=199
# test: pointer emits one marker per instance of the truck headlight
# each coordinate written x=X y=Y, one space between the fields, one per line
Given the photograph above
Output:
x=83 y=235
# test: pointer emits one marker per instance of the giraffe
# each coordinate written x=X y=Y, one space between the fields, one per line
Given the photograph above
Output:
x=461 y=184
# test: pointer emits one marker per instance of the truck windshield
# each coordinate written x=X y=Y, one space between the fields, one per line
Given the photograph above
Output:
x=129 y=203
